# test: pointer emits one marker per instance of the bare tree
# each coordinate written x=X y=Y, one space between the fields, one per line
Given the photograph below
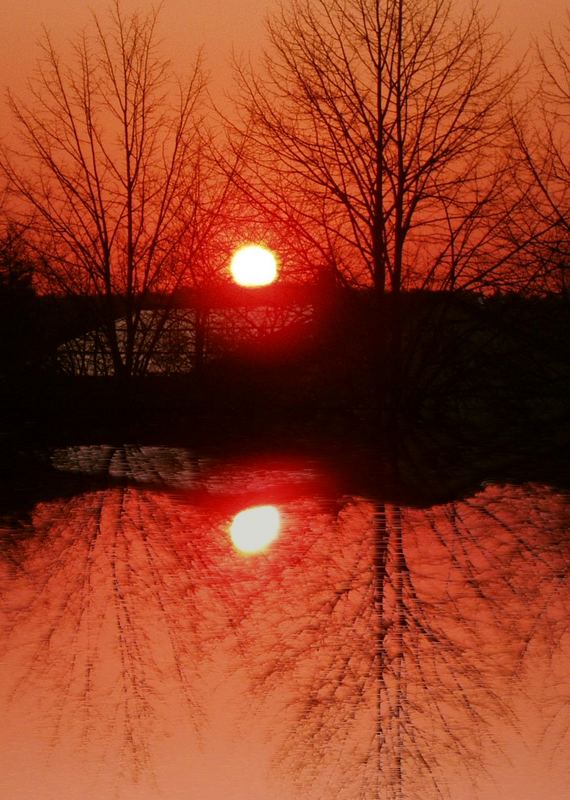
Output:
x=545 y=175
x=377 y=130
x=112 y=161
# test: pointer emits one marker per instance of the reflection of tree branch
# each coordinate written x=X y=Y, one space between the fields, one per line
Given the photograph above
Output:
x=416 y=618
x=103 y=584
x=383 y=639
x=116 y=597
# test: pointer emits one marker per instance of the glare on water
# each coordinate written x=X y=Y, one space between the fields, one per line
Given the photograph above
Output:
x=373 y=649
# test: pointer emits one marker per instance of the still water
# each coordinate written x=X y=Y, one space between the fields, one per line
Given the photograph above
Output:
x=351 y=648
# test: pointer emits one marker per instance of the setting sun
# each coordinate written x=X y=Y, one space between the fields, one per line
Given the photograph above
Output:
x=253 y=265
x=255 y=528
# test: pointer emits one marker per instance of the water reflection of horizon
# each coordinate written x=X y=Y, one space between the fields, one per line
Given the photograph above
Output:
x=128 y=605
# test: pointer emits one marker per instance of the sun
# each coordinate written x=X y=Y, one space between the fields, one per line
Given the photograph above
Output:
x=255 y=528
x=253 y=265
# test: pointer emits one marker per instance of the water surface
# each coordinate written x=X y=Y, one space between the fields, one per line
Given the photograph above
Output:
x=372 y=650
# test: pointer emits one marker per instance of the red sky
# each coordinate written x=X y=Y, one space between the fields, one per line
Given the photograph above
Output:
x=217 y=25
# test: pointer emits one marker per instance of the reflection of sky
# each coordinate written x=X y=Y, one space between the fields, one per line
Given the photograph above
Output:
x=143 y=658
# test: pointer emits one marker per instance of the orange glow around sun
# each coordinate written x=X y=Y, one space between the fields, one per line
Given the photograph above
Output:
x=253 y=265
x=255 y=528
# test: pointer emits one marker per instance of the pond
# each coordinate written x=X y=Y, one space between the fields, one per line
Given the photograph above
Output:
x=347 y=646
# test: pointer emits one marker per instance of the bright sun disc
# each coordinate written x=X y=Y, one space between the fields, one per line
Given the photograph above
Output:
x=253 y=265
x=254 y=529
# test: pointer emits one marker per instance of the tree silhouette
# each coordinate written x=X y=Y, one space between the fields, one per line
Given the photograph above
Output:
x=542 y=135
x=112 y=161
x=377 y=133
x=18 y=350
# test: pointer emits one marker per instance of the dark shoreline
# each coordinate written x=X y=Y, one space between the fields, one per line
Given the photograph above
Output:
x=413 y=462
x=471 y=390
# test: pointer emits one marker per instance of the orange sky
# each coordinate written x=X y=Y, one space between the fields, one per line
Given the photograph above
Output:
x=217 y=25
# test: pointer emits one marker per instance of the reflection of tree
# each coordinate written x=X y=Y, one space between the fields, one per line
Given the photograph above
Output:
x=383 y=639
x=93 y=627
x=113 y=600
x=97 y=596
x=399 y=641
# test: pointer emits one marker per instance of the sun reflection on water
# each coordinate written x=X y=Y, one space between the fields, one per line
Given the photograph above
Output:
x=255 y=528
x=376 y=649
